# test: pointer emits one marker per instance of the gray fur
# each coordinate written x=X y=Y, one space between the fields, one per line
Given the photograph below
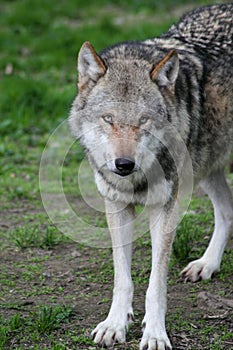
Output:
x=151 y=101
x=201 y=107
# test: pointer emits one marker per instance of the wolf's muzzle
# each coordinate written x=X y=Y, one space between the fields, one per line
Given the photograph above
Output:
x=124 y=166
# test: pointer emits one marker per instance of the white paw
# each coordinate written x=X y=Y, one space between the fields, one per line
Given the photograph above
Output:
x=200 y=269
x=111 y=331
x=154 y=340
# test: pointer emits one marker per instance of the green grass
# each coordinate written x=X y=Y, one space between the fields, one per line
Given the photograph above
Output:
x=193 y=229
x=52 y=290
x=36 y=237
x=42 y=322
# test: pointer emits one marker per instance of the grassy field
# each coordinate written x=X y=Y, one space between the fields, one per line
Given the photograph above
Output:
x=50 y=294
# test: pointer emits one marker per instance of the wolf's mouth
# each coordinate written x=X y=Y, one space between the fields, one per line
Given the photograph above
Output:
x=123 y=173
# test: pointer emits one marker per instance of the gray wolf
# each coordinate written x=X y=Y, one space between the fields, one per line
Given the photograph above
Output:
x=140 y=104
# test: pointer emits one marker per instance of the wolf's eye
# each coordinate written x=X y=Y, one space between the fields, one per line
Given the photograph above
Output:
x=143 y=120
x=108 y=118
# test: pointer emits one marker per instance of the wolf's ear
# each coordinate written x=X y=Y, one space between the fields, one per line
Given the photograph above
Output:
x=166 y=71
x=90 y=65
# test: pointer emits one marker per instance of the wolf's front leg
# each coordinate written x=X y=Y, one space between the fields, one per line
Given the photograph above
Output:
x=154 y=333
x=113 y=329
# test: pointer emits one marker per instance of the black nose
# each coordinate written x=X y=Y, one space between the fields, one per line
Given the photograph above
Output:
x=124 y=166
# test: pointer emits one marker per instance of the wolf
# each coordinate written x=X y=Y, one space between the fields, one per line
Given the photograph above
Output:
x=146 y=111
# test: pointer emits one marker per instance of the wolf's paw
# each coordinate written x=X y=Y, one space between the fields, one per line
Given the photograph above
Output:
x=200 y=269
x=111 y=331
x=107 y=333
x=153 y=341
x=154 y=344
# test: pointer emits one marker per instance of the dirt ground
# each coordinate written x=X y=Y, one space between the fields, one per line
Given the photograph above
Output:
x=199 y=315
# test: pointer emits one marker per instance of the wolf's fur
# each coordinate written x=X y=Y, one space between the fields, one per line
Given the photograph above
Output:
x=139 y=105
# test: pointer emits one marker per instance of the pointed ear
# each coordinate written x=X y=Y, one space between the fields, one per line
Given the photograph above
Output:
x=166 y=71
x=90 y=65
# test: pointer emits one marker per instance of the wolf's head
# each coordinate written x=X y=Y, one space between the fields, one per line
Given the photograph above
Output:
x=126 y=98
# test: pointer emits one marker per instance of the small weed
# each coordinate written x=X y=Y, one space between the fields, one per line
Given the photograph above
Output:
x=183 y=242
x=3 y=336
x=192 y=229
x=58 y=347
x=82 y=340
x=34 y=237
x=47 y=319
x=51 y=238
x=35 y=325
x=8 y=327
x=15 y=322
x=25 y=237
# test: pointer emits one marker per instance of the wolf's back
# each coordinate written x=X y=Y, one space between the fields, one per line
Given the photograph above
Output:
x=206 y=29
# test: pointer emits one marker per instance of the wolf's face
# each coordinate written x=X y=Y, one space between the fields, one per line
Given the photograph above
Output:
x=120 y=113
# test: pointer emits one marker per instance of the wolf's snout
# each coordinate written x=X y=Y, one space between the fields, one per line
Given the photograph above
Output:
x=124 y=166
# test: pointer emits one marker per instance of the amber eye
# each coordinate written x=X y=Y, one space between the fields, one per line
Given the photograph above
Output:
x=143 y=120
x=108 y=118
